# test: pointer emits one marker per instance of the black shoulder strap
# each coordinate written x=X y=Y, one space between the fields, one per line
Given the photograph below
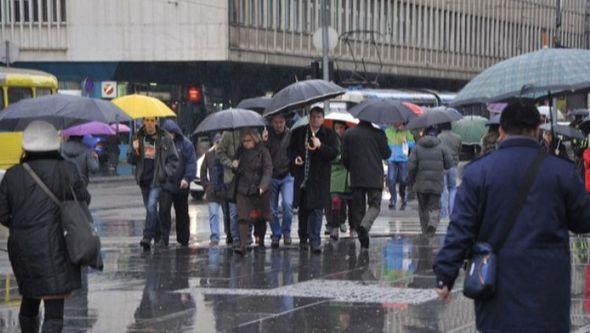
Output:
x=41 y=184
x=521 y=197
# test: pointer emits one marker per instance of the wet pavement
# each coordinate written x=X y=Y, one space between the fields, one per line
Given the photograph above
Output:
x=387 y=289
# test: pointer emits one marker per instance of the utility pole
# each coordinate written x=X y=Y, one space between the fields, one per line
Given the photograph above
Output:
x=587 y=25
x=557 y=37
x=325 y=44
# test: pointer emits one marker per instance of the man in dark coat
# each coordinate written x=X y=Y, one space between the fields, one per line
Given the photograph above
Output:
x=176 y=189
x=154 y=156
x=363 y=150
x=533 y=278
x=85 y=159
x=311 y=151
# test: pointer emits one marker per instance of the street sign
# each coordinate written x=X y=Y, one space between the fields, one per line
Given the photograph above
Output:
x=9 y=52
x=108 y=89
x=332 y=39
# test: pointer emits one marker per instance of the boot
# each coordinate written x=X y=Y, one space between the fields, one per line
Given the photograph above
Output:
x=29 y=324
x=244 y=230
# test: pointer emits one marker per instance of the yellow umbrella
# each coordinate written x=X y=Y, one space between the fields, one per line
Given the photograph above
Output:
x=141 y=106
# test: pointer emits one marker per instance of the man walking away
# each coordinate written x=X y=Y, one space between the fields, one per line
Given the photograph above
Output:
x=312 y=149
x=363 y=150
x=427 y=164
x=282 y=181
x=453 y=143
x=400 y=142
x=85 y=159
x=176 y=189
x=533 y=280
x=154 y=156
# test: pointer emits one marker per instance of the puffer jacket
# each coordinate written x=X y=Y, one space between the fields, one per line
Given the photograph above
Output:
x=166 y=157
x=428 y=161
x=82 y=157
x=36 y=245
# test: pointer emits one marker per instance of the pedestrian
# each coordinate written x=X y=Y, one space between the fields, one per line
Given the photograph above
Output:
x=176 y=189
x=400 y=142
x=85 y=159
x=112 y=151
x=364 y=149
x=428 y=161
x=489 y=142
x=554 y=146
x=254 y=178
x=282 y=181
x=533 y=279
x=36 y=244
x=453 y=144
x=311 y=150
x=211 y=175
x=154 y=156
x=341 y=204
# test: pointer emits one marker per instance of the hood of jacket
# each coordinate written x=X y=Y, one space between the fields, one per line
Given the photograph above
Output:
x=172 y=127
x=73 y=149
x=429 y=141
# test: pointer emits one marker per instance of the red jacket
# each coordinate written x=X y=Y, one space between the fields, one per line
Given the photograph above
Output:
x=587 y=168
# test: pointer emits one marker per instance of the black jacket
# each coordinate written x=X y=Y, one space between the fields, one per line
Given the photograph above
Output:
x=82 y=157
x=254 y=170
x=166 y=157
x=277 y=147
x=317 y=189
x=36 y=246
x=187 y=159
x=363 y=150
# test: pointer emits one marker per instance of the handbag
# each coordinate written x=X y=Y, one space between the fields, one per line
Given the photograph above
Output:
x=482 y=268
x=82 y=242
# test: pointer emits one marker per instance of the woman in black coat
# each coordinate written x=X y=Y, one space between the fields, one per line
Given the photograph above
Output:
x=36 y=245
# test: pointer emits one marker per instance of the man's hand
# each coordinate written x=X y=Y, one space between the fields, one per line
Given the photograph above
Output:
x=261 y=191
x=235 y=164
x=183 y=184
x=298 y=160
x=136 y=146
x=443 y=293
x=316 y=143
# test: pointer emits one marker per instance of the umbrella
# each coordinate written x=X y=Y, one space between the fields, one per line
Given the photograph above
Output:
x=258 y=104
x=564 y=130
x=471 y=129
x=62 y=111
x=532 y=75
x=122 y=128
x=230 y=119
x=497 y=107
x=301 y=94
x=433 y=117
x=382 y=111
x=329 y=120
x=141 y=106
x=91 y=128
x=579 y=113
x=494 y=120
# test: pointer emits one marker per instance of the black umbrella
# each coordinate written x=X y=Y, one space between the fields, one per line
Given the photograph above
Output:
x=62 y=111
x=301 y=94
x=229 y=120
x=382 y=111
x=564 y=130
x=258 y=104
x=432 y=118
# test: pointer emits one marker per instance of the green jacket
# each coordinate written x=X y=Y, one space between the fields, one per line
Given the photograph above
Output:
x=339 y=177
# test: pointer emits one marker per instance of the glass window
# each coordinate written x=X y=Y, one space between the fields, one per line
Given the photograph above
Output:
x=42 y=92
x=2 y=101
x=16 y=94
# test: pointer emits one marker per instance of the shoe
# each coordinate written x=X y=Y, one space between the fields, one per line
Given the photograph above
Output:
x=303 y=246
x=287 y=240
x=145 y=243
x=430 y=230
x=317 y=250
x=185 y=245
x=391 y=206
x=213 y=243
x=327 y=231
x=403 y=207
x=363 y=237
x=334 y=234
x=274 y=243
x=228 y=240
x=343 y=228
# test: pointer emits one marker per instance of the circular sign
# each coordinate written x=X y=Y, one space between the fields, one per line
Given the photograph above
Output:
x=332 y=39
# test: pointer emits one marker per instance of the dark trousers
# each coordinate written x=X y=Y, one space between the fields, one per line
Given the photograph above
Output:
x=226 y=219
x=429 y=211
x=361 y=216
x=29 y=310
x=180 y=201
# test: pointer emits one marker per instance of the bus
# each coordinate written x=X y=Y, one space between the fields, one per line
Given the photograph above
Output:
x=425 y=98
x=17 y=84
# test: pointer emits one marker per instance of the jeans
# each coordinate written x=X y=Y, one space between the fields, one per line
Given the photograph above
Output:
x=397 y=171
x=361 y=216
x=180 y=201
x=233 y=222
x=214 y=220
x=447 y=200
x=284 y=187
x=310 y=225
x=150 y=201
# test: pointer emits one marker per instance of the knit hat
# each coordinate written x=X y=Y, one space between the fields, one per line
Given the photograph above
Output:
x=40 y=136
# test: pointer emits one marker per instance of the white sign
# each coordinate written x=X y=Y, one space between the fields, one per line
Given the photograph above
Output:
x=108 y=89
x=332 y=39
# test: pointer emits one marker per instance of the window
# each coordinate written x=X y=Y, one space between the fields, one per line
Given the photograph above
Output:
x=16 y=94
x=17 y=11
x=42 y=92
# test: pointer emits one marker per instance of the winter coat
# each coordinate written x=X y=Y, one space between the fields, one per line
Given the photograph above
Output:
x=36 y=245
x=187 y=159
x=82 y=157
x=166 y=160
x=533 y=277
x=317 y=187
x=226 y=152
x=363 y=151
x=453 y=143
x=254 y=171
x=395 y=140
x=428 y=161
x=206 y=175
x=587 y=168
x=277 y=146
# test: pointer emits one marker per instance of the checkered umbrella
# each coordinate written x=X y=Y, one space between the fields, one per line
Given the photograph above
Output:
x=531 y=75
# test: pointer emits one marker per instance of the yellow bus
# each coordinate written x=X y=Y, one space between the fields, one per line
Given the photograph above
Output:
x=17 y=84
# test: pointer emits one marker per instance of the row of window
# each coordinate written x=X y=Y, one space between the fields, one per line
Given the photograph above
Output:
x=15 y=94
x=39 y=11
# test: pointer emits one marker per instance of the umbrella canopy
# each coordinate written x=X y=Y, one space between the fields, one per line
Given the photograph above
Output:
x=330 y=119
x=62 y=111
x=382 y=111
x=564 y=130
x=91 y=128
x=122 y=128
x=529 y=75
x=471 y=129
x=434 y=117
x=258 y=104
x=230 y=119
x=302 y=93
x=141 y=106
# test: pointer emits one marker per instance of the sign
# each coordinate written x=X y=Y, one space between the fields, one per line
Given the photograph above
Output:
x=332 y=39
x=108 y=89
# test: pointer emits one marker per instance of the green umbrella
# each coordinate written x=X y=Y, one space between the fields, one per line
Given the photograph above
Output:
x=531 y=75
x=471 y=129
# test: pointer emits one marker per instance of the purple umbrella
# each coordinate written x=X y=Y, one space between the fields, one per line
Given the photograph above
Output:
x=496 y=107
x=92 y=128
x=122 y=128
